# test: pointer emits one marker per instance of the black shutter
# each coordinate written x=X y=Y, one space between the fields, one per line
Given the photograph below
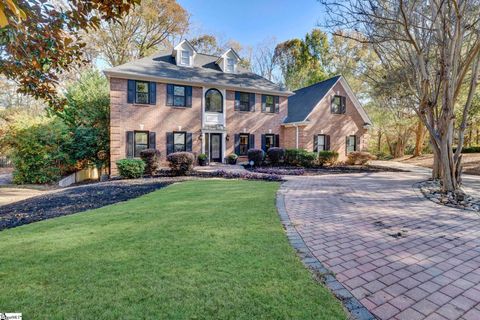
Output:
x=263 y=142
x=188 y=96
x=130 y=144
x=169 y=142
x=131 y=91
x=237 y=101
x=189 y=141
x=152 y=143
x=277 y=140
x=356 y=145
x=277 y=104
x=315 y=143
x=251 y=141
x=169 y=94
x=237 y=143
x=346 y=145
x=251 y=99
x=264 y=103
x=152 y=90
x=344 y=104
x=327 y=142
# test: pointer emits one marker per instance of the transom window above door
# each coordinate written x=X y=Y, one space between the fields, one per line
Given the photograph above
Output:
x=213 y=101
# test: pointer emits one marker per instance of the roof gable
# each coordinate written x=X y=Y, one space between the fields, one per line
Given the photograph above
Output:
x=303 y=103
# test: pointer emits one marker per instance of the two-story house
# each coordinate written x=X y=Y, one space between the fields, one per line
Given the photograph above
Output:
x=182 y=100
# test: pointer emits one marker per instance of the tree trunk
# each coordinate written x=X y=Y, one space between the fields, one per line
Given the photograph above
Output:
x=420 y=133
x=379 y=141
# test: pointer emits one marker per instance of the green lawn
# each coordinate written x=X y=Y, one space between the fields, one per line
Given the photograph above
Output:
x=195 y=250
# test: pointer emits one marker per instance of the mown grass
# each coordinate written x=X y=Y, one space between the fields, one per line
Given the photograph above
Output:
x=210 y=249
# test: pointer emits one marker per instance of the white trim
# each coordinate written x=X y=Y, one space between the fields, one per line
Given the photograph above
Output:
x=135 y=76
x=179 y=46
x=295 y=124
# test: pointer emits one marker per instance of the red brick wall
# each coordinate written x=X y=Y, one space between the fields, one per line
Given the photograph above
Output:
x=159 y=118
x=338 y=126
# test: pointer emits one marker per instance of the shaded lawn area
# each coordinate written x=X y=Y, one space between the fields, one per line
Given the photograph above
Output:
x=199 y=249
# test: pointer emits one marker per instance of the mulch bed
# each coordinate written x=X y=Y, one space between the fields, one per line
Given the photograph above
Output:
x=77 y=199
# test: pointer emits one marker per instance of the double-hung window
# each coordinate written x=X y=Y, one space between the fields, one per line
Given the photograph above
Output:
x=185 y=57
x=179 y=97
x=140 y=142
x=321 y=142
x=142 y=92
x=230 y=65
x=269 y=104
x=269 y=141
x=339 y=104
x=179 y=141
x=351 y=144
x=244 y=144
x=244 y=101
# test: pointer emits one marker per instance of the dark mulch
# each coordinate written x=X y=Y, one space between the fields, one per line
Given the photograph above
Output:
x=76 y=199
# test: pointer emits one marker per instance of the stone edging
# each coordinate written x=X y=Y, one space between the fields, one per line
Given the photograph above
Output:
x=429 y=190
x=355 y=308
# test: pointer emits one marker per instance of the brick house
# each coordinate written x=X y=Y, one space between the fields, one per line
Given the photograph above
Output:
x=181 y=100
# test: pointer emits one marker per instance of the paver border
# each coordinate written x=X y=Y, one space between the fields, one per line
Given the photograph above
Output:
x=356 y=309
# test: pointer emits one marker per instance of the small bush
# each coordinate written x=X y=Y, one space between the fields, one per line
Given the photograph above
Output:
x=181 y=163
x=131 y=168
x=256 y=155
x=232 y=158
x=327 y=158
x=151 y=157
x=475 y=149
x=276 y=155
x=202 y=159
x=359 y=158
x=300 y=157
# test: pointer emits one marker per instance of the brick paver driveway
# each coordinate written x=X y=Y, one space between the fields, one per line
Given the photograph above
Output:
x=401 y=255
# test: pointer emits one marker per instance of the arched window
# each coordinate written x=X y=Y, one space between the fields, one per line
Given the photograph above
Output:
x=213 y=101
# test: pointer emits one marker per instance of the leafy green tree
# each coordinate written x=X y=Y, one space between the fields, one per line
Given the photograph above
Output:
x=304 y=61
x=87 y=116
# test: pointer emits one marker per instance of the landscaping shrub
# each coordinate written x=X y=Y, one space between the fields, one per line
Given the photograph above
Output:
x=474 y=149
x=151 y=157
x=276 y=155
x=232 y=158
x=131 y=168
x=181 y=163
x=256 y=155
x=202 y=159
x=359 y=158
x=327 y=158
x=300 y=157
x=38 y=147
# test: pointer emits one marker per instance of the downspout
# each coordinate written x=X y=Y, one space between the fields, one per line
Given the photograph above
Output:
x=296 y=136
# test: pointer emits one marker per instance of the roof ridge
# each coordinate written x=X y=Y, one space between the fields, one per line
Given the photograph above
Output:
x=314 y=84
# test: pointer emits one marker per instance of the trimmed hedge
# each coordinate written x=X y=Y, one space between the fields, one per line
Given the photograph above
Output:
x=151 y=157
x=276 y=155
x=256 y=155
x=131 y=168
x=181 y=163
x=300 y=157
x=327 y=157
x=359 y=158
x=475 y=149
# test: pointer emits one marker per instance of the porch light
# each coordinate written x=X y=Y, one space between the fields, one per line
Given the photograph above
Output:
x=269 y=130
x=141 y=126
x=244 y=130
x=227 y=137
x=179 y=128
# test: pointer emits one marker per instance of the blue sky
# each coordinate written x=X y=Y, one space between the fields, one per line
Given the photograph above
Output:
x=250 y=22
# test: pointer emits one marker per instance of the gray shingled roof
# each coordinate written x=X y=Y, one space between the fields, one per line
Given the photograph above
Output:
x=304 y=100
x=205 y=70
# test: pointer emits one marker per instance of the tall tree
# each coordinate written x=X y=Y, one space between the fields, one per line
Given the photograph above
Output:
x=303 y=61
x=141 y=32
x=438 y=44
x=39 y=41
x=264 y=61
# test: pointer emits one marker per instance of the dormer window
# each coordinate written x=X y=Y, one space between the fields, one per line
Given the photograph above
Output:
x=230 y=65
x=185 y=57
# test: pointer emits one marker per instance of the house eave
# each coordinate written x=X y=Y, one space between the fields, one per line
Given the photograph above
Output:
x=136 y=76
x=295 y=124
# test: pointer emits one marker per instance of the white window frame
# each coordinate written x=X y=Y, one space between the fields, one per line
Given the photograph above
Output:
x=324 y=145
x=230 y=65
x=185 y=54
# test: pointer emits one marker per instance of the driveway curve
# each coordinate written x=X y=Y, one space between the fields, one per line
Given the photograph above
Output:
x=400 y=255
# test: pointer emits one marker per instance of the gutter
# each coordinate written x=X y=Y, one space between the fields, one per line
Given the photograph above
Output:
x=135 y=76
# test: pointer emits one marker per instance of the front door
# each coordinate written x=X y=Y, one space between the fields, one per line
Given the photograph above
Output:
x=216 y=147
